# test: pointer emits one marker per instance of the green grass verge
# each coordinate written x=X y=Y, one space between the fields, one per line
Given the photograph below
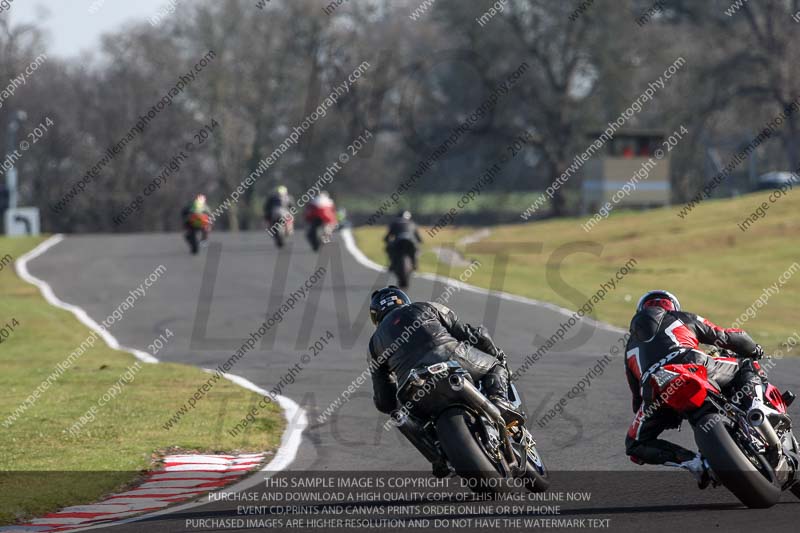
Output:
x=435 y=203
x=43 y=467
x=716 y=269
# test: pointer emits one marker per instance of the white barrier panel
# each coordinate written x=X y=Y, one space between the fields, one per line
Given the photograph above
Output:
x=22 y=221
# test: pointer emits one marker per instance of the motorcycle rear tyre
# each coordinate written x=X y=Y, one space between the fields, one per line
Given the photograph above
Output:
x=464 y=453
x=732 y=467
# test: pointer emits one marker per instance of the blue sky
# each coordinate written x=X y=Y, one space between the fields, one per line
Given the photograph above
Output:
x=72 y=28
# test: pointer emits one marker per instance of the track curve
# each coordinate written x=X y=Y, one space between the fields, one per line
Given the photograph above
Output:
x=213 y=301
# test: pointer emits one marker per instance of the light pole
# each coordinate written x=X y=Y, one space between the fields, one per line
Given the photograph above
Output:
x=11 y=175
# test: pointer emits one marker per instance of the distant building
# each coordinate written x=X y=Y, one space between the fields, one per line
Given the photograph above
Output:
x=631 y=158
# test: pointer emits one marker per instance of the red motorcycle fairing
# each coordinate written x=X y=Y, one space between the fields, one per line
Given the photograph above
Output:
x=773 y=396
x=685 y=388
x=682 y=387
x=325 y=214
x=199 y=221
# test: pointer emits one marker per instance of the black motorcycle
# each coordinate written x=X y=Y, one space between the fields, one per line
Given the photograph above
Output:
x=283 y=226
x=463 y=427
x=401 y=256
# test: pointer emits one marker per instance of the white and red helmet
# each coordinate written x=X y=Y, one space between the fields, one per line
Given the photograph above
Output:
x=663 y=299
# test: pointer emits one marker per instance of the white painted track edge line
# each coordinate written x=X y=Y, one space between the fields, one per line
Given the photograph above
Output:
x=360 y=257
x=296 y=418
x=21 y=266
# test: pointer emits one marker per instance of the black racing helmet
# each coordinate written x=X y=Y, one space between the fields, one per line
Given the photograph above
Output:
x=386 y=300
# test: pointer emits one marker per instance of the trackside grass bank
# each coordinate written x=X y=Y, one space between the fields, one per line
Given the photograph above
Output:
x=45 y=466
x=749 y=279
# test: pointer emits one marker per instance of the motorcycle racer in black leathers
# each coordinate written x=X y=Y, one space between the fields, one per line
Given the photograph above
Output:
x=277 y=203
x=403 y=229
x=410 y=335
x=660 y=333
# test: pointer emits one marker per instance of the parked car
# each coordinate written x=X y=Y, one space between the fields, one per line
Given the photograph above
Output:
x=775 y=180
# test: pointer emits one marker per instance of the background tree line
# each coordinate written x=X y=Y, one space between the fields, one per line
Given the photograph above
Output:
x=274 y=65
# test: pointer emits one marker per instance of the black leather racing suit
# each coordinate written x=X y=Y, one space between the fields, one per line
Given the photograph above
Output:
x=275 y=204
x=655 y=333
x=403 y=231
x=422 y=334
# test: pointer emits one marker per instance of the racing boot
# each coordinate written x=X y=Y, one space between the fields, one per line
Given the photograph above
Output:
x=699 y=468
x=496 y=388
x=441 y=469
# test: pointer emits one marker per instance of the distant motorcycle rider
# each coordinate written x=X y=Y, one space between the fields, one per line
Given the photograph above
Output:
x=663 y=334
x=320 y=213
x=403 y=229
x=278 y=205
x=411 y=335
x=321 y=210
x=196 y=215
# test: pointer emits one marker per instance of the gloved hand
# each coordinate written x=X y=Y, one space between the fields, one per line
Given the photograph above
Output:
x=758 y=353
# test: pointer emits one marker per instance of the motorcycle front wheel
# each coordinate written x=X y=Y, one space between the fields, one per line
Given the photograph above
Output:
x=537 y=478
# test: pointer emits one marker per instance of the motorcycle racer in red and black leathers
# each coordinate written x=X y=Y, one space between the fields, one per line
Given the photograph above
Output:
x=410 y=335
x=661 y=333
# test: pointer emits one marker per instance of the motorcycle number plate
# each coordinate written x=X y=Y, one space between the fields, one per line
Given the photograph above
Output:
x=438 y=368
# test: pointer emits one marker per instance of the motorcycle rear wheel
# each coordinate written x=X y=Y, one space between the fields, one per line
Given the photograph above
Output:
x=193 y=244
x=732 y=467
x=465 y=454
x=314 y=238
x=403 y=268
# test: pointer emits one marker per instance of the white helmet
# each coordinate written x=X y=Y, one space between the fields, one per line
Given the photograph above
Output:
x=665 y=296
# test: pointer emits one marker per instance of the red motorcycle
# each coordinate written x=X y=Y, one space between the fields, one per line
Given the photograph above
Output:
x=321 y=223
x=197 y=223
x=753 y=453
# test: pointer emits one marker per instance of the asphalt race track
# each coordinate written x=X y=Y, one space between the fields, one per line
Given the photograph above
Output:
x=213 y=301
